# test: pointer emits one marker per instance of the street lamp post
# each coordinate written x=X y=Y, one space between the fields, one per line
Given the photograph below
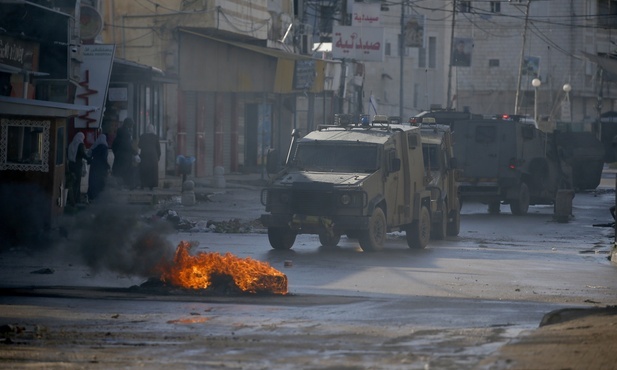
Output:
x=566 y=111
x=536 y=82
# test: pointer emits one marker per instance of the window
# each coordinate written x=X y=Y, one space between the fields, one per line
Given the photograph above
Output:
x=495 y=7
x=388 y=48
x=432 y=52
x=493 y=62
x=607 y=13
x=464 y=7
x=24 y=145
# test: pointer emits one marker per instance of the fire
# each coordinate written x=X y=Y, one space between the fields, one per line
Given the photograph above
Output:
x=204 y=270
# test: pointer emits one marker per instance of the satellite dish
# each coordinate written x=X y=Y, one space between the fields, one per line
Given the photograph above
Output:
x=90 y=21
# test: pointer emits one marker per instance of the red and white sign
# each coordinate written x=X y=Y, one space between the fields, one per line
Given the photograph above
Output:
x=358 y=43
x=366 y=14
x=94 y=82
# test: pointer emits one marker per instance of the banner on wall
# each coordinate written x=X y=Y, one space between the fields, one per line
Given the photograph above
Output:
x=358 y=43
x=94 y=83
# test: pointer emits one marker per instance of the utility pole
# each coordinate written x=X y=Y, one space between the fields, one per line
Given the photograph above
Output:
x=401 y=50
x=449 y=96
x=520 y=64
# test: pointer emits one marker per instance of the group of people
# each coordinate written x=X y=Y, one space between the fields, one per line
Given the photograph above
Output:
x=135 y=163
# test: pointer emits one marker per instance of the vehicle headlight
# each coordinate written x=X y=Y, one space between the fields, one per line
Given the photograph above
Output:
x=345 y=199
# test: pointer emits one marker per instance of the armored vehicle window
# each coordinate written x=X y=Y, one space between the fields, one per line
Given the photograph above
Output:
x=486 y=134
x=431 y=157
x=336 y=156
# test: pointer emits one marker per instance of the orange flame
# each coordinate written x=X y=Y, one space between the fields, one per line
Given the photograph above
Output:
x=200 y=271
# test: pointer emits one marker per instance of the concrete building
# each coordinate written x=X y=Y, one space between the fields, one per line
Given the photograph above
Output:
x=558 y=42
x=234 y=83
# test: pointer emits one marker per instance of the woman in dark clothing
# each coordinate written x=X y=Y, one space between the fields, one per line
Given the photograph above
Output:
x=76 y=155
x=99 y=167
x=124 y=152
x=150 y=155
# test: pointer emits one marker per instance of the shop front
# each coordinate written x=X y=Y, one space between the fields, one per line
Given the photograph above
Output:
x=236 y=101
x=32 y=166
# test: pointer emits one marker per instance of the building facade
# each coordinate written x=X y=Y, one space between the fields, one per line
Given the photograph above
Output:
x=234 y=83
x=557 y=42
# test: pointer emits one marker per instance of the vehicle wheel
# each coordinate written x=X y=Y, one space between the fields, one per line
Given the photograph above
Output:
x=329 y=240
x=454 y=222
x=281 y=237
x=520 y=206
x=438 y=230
x=494 y=207
x=373 y=239
x=419 y=233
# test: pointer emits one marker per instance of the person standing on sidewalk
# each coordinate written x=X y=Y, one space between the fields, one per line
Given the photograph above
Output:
x=150 y=154
x=124 y=154
x=76 y=156
x=99 y=167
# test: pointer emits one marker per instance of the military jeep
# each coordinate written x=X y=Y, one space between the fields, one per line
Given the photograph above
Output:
x=360 y=180
x=509 y=162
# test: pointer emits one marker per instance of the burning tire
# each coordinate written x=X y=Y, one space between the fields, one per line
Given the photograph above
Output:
x=374 y=238
x=419 y=233
x=281 y=237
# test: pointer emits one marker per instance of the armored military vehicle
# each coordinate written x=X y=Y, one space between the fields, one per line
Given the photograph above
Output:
x=361 y=180
x=440 y=163
x=509 y=162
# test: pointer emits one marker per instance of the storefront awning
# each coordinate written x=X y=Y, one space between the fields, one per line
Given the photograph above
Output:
x=124 y=70
x=40 y=108
x=211 y=64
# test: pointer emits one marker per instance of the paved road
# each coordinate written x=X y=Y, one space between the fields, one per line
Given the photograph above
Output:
x=449 y=306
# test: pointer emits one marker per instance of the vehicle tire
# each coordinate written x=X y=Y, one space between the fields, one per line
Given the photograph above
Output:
x=520 y=205
x=419 y=233
x=494 y=207
x=329 y=240
x=439 y=230
x=374 y=238
x=281 y=237
x=454 y=222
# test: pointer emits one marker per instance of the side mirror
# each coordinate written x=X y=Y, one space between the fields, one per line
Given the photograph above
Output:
x=395 y=165
x=272 y=160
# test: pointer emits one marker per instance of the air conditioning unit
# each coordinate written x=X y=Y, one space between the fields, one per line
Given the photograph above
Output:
x=306 y=44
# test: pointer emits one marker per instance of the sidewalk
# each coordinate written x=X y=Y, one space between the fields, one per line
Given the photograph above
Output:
x=571 y=339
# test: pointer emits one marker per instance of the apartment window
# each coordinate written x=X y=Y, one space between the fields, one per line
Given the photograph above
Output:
x=428 y=56
x=493 y=62
x=495 y=6
x=388 y=49
x=464 y=6
x=432 y=52
x=607 y=13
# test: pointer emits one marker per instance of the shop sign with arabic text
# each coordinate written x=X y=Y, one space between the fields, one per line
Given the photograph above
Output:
x=358 y=43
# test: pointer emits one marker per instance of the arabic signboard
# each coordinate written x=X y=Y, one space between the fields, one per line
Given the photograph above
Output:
x=94 y=82
x=358 y=43
x=19 y=53
x=304 y=74
x=366 y=14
